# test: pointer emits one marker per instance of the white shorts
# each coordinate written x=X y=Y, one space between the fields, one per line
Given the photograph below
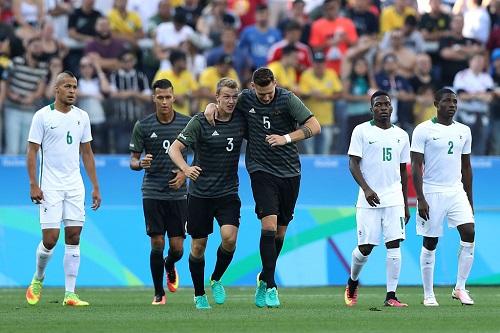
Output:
x=374 y=222
x=62 y=206
x=454 y=205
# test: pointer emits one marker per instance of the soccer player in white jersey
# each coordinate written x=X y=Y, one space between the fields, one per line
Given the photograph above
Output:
x=444 y=189
x=378 y=154
x=60 y=132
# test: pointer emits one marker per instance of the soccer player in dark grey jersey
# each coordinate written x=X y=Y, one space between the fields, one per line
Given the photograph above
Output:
x=277 y=120
x=213 y=191
x=163 y=188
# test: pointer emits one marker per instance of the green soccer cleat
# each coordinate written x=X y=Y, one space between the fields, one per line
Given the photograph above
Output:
x=34 y=291
x=201 y=302
x=72 y=299
x=260 y=293
x=218 y=292
x=272 y=300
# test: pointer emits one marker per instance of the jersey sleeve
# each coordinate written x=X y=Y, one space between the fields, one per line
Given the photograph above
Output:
x=418 y=140
x=356 y=145
x=191 y=133
x=137 y=141
x=298 y=110
x=87 y=134
x=36 y=129
x=405 y=152
x=468 y=142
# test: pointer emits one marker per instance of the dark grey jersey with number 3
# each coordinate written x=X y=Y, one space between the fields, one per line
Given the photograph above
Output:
x=152 y=137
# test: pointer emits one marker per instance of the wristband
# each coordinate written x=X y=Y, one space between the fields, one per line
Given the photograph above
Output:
x=288 y=138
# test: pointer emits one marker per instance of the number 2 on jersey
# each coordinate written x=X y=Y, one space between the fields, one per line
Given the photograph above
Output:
x=450 y=149
x=166 y=146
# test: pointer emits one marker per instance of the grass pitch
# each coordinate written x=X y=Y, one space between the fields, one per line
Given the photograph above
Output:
x=302 y=310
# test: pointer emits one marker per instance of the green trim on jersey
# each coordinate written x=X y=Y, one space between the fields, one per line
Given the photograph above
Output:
x=372 y=122
x=52 y=106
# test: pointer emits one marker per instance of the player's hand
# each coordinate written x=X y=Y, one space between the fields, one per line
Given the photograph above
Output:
x=178 y=180
x=407 y=215
x=193 y=172
x=145 y=163
x=96 y=199
x=210 y=112
x=372 y=197
x=423 y=209
x=275 y=140
x=36 y=194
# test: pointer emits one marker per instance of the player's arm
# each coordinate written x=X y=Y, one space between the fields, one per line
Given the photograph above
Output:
x=36 y=193
x=404 y=185
x=355 y=168
x=89 y=164
x=417 y=163
x=467 y=177
x=175 y=153
x=137 y=163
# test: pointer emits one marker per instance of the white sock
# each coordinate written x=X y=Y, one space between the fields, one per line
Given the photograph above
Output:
x=71 y=264
x=357 y=262
x=465 y=259
x=427 y=262
x=393 y=268
x=42 y=258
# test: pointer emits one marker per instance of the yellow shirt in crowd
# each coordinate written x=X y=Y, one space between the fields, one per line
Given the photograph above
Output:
x=184 y=84
x=328 y=84
x=390 y=19
x=285 y=77
x=209 y=78
x=127 y=25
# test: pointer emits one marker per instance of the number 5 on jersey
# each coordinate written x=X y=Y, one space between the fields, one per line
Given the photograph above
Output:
x=266 y=122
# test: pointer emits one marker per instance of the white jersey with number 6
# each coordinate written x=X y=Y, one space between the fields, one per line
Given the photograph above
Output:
x=382 y=152
x=443 y=147
x=60 y=135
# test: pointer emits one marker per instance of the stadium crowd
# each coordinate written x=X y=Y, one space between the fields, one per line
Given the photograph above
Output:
x=332 y=54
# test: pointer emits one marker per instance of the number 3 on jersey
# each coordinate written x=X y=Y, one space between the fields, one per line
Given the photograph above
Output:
x=166 y=146
x=230 y=144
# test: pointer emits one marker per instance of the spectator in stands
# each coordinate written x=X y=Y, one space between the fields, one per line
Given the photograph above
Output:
x=285 y=69
x=241 y=59
x=58 y=12
x=477 y=22
x=333 y=34
x=292 y=37
x=297 y=14
x=125 y=24
x=211 y=75
x=186 y=86
x=191 y=10
x=55 y=68
x=196 y=62
x=131 y=96
x=170 y=35
x=435 y=24
x=393 y=17
x=320 y=87
x=258 y=38
x=28 y=15
x=400 y=90
x=495 y=105
x=363 y=18
x=6 y=15
x=105 y=49
x=164 y=14
x=424 y=108
x=82 y=22
x=406 y=57
x=412 y=38
x=455 y=51
x=215 y=18
x=52 y=47
x=145 y=9
x=93 y=87
x=358 y=87
x=422 y=75
x=474 y=88
x=494 y=12
x=26 y=79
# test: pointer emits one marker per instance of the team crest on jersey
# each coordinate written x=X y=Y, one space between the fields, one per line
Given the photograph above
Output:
x=153 y=136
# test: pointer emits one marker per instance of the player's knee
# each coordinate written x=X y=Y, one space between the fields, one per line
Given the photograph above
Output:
x=229 y=241
x=50 y=243
x=197 y=249
x=365 y=249
x=468 y=235
x=72 y=239
x=430 y=243
x=157 y=242
x=393 y=244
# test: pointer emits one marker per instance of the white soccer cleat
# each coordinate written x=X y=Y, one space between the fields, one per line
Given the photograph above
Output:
x=430 y=301
x=463 y=296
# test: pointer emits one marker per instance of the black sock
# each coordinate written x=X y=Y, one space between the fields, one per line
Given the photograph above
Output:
x=172 y=258
x=197 y=269
x=156 y=264
x=390 y=295
x=268 y=256
x=279 y=245
x=352 y=286
x=224 y=258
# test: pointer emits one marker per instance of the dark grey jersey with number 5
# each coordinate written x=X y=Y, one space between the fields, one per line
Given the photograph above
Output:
x=152 y=137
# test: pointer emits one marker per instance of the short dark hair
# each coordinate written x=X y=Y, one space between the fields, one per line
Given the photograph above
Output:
x=292 y=25
x=290 y=48
x=162 y=84
x=439 y=94
x=411 y=21
x=262 y=76
x=377 y=94
x=176 y=55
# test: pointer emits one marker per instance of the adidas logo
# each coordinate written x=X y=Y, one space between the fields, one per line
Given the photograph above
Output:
x=251 y=110
x=153 y=135
x=215 y=133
